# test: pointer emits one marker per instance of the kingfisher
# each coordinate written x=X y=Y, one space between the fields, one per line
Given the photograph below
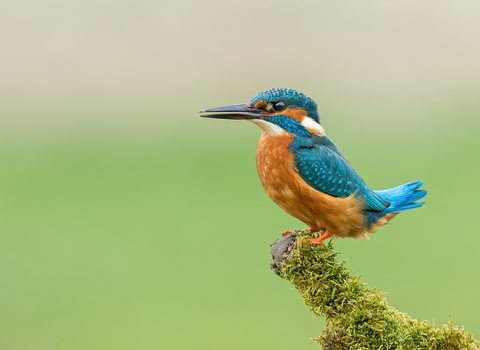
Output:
x=304 y=173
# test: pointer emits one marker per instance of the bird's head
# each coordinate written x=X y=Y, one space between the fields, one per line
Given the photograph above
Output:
x=276 y=112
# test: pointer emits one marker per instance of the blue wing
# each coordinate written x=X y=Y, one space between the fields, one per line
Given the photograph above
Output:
x=321 y=165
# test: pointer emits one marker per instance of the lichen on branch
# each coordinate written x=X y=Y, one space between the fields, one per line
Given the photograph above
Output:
x=357 y=316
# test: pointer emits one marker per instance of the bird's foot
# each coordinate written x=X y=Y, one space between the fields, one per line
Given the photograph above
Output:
x=320 y=239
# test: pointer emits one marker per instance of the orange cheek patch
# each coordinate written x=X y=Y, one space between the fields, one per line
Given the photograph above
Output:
x=297 y=114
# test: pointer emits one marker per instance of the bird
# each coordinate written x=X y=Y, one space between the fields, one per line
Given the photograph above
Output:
x=305 y=174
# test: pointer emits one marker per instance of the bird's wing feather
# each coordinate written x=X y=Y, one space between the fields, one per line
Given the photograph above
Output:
x=321 y=165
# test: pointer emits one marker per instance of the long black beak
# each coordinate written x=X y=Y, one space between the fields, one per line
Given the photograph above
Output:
x=240 y=111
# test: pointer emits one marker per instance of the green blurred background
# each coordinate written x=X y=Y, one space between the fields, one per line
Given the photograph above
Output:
x=127 y=222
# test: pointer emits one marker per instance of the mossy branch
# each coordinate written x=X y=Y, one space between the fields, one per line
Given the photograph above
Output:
x=357 y=317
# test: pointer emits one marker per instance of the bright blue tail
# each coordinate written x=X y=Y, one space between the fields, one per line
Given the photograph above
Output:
x=403 y=197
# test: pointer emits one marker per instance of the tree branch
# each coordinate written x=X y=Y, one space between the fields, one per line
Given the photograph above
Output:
x=357 y=317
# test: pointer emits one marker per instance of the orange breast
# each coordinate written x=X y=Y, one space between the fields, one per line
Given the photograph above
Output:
x=342 y=217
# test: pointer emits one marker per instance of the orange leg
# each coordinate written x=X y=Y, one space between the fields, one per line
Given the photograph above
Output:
x=320 y=239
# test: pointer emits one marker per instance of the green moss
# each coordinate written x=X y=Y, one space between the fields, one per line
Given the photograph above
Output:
x=358 y=317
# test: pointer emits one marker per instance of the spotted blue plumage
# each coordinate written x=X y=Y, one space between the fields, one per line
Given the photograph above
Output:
x=291 y=98
x=322 y=166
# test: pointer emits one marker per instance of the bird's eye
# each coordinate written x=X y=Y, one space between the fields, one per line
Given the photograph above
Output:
x=279 y=106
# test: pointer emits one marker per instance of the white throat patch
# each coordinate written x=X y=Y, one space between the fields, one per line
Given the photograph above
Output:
x=268 y=129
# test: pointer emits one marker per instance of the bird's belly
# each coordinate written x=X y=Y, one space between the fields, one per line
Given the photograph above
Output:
x=275 y=164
